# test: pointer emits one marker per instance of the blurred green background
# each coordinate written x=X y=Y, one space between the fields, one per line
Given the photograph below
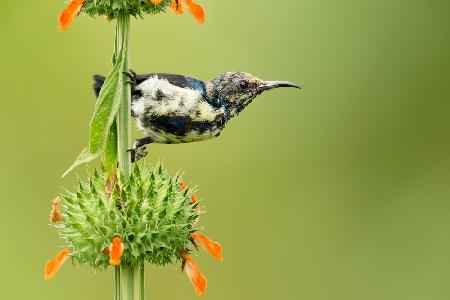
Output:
x=339 y=191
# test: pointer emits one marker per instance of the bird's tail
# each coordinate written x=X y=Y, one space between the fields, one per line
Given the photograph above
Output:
x=98 y=83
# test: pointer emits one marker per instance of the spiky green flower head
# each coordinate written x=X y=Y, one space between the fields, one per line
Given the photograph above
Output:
x=112 y=8
x=153 y=213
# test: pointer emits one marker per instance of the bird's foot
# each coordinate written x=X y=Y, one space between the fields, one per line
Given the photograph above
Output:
x=131 y=76
x=139 y=149
x=138 y=153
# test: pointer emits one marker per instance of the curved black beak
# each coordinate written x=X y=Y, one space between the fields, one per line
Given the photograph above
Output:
x=268 y=85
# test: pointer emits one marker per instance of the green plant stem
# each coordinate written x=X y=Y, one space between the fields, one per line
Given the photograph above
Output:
x=131 y=282
x=142 y=280
x=128 y=279
x=124 y=114
x=117 y=283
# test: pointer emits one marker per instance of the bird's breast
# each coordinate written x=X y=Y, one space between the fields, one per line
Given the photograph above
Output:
x=177 y=129
x=171 y=114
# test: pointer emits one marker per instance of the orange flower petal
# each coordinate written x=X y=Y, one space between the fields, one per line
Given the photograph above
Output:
x=55 y=215
x=177 y=7
x=183 y=185
x=115 y=251
x=196 y=10
x=193 y=272
x=213 y=248
x=156 y=1
x=193 y=201
x=71 y=11
x=53 y=265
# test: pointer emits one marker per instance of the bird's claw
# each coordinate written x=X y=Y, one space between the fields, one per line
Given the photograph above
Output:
x=138 y=153
x=130 y=74
x=131 y=77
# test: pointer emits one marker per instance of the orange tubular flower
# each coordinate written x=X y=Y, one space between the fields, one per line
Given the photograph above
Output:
x=193 y=201
x=156 y=1
x=53 y=265
x=213 y=248
x=193 y=272
x=115 y=251
x=55 y=215
x=196 y=10
x=177 y=7
x=71 y=11
x=183 y=185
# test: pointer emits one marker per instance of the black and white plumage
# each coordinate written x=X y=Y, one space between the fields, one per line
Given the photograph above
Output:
x=171 y=108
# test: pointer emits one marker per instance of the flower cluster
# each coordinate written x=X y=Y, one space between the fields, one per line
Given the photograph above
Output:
x=112 y=8
x=148 y=217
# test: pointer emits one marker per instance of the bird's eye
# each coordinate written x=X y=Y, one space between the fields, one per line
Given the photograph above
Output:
x=243 y=84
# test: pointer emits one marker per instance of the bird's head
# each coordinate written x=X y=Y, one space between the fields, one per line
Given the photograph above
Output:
x=235 y=90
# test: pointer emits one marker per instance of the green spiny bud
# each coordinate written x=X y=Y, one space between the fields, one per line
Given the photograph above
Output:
x=112 y=8
x=151 y=213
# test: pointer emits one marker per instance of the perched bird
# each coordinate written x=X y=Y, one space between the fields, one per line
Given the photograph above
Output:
x=174 y=109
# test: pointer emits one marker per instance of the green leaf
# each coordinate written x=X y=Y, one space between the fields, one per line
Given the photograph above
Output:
x=106 y=108
x=109 y=160
x=84 y=157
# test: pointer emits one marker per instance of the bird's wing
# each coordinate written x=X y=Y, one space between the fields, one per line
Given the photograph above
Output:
x=98 y=83
x=177 y=80
x=174 y=79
